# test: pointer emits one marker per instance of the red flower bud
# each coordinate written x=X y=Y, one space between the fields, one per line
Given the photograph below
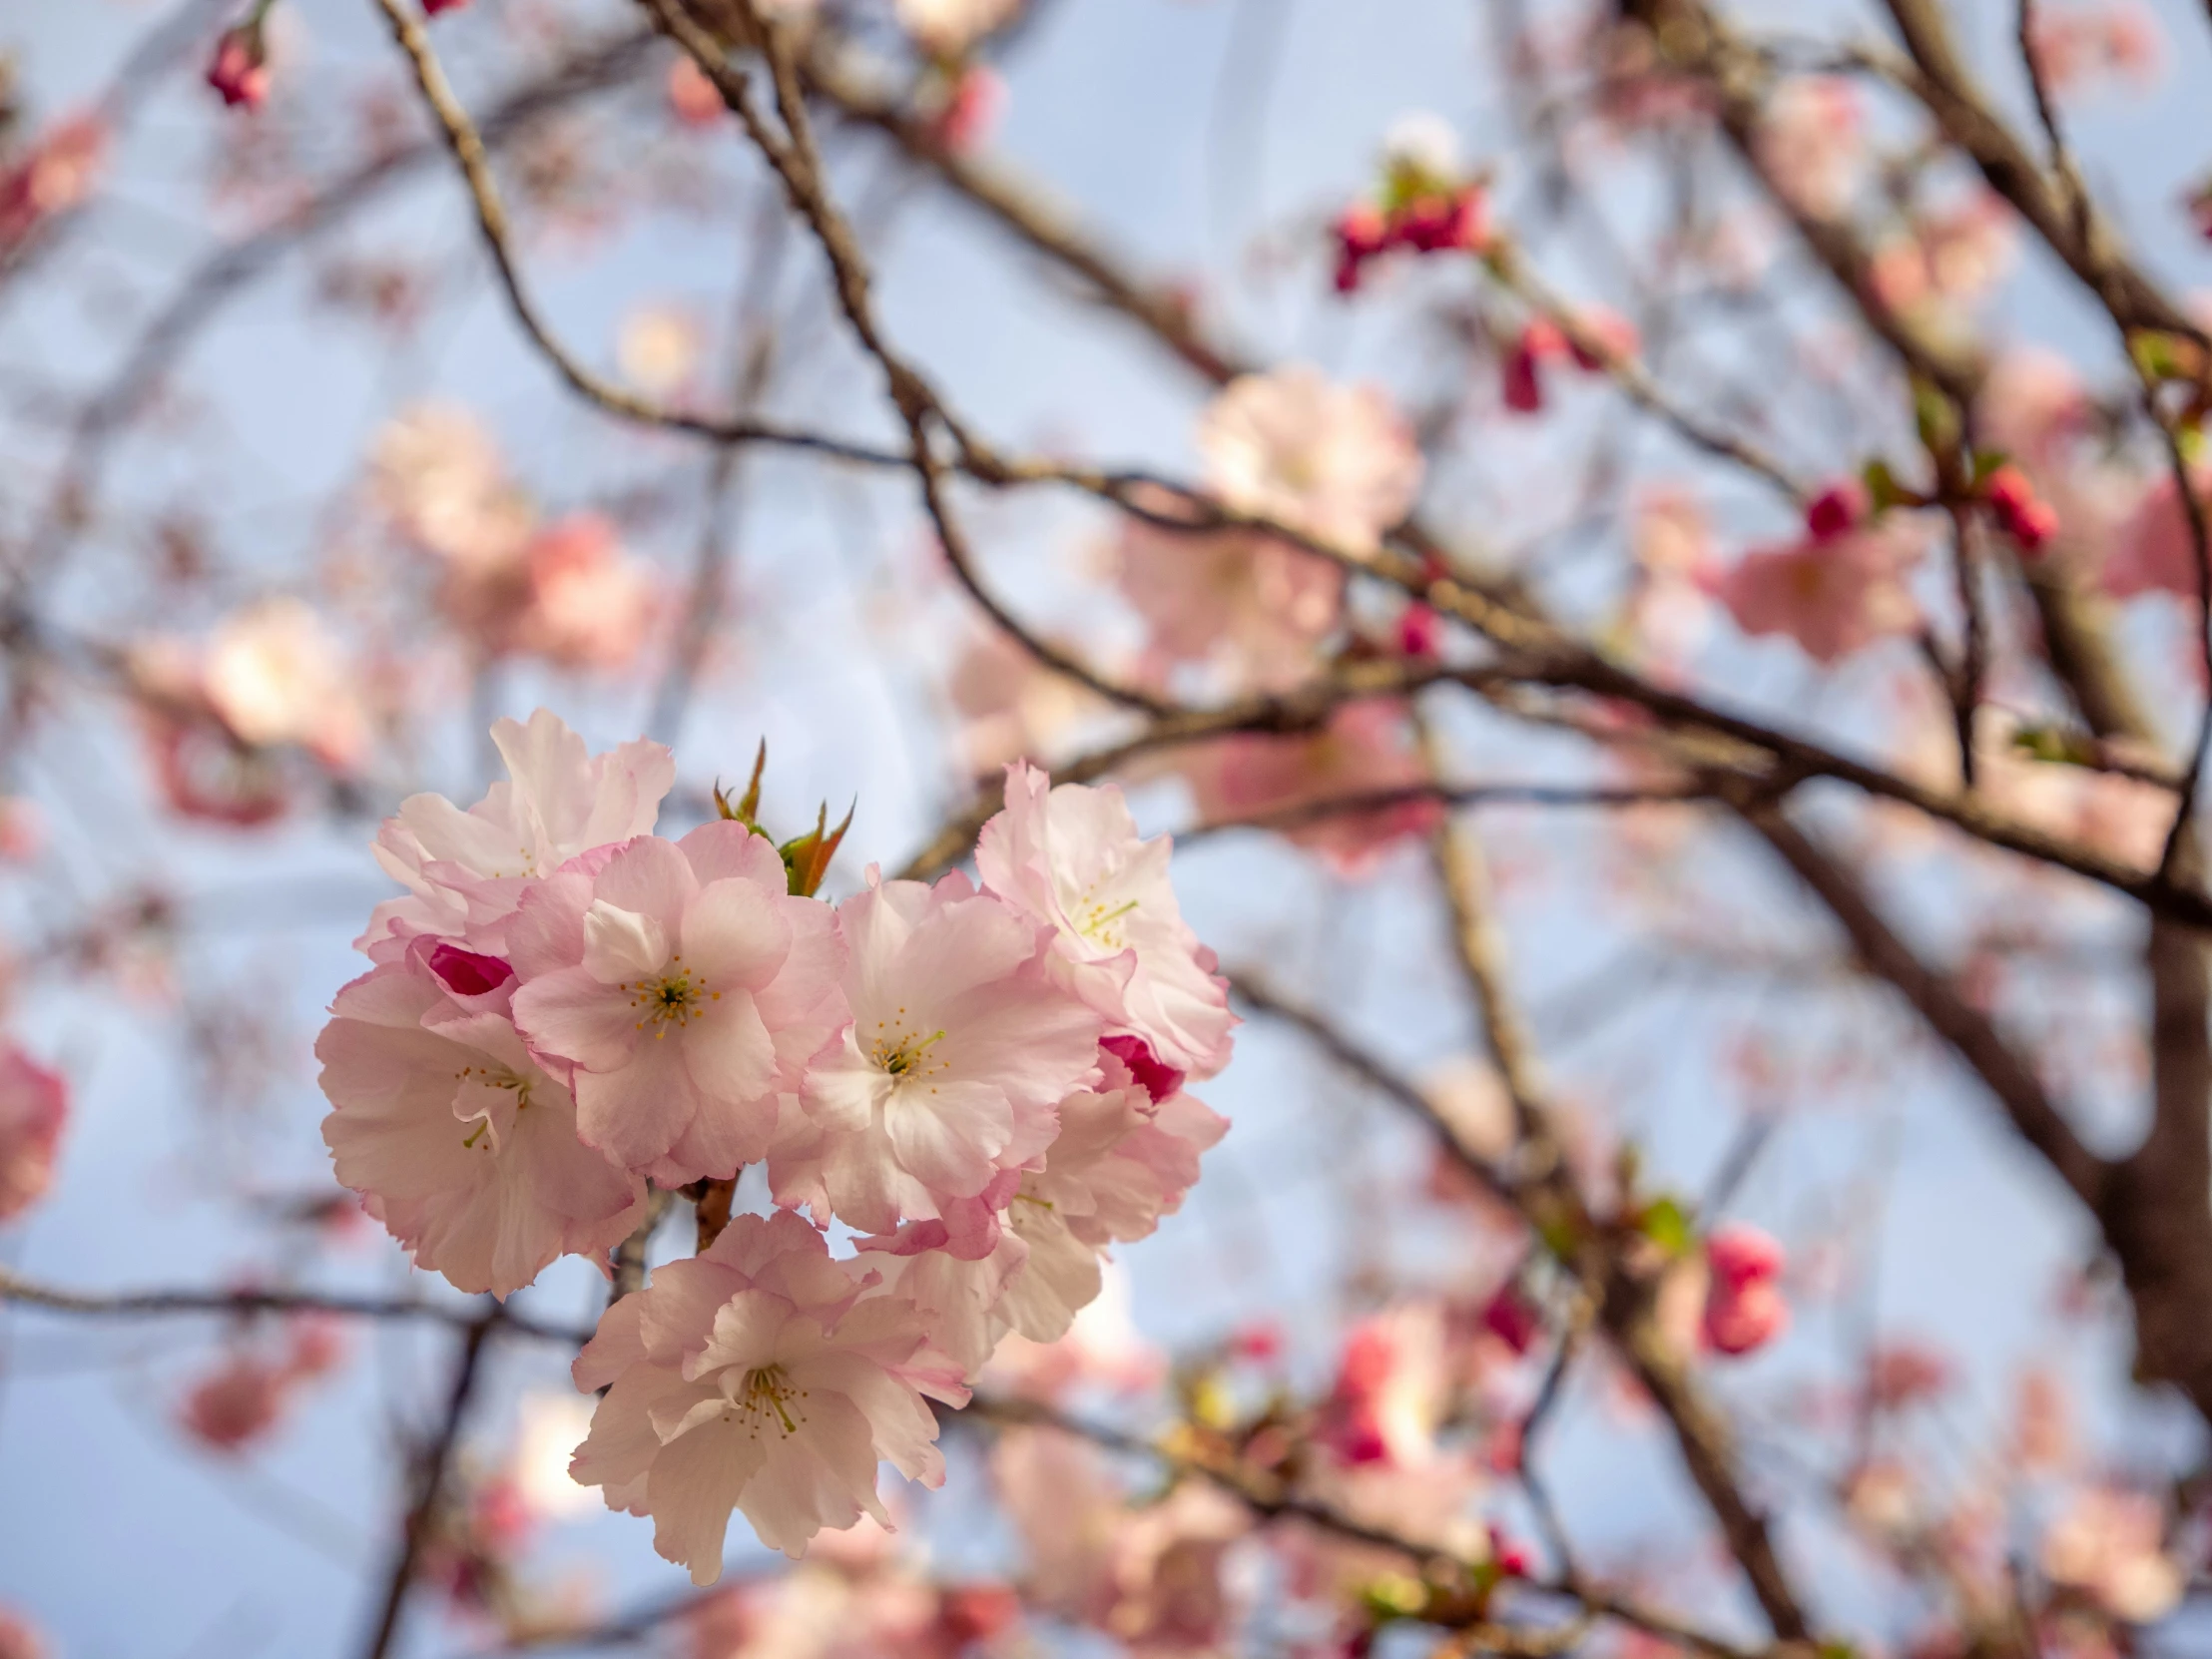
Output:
x=240 y=68
x=432 y=8
x=1837 y=508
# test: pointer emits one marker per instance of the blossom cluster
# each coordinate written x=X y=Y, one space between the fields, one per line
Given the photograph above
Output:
x=983 y=1082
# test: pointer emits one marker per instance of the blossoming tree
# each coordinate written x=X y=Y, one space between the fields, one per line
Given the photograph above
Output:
x=1383 y=820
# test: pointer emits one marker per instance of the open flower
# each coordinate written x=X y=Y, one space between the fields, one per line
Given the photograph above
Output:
x=1336 y=462
x=684 y=986
x=275 y=675
x=461 y=1143
x=1253 y=604
x=34 y=1106
x=960 y=1047
x=1364 y=748
x=1835 y=595
x=1121 y=1160
x=760 y=1376
x=1070 y=859
x=468 y=869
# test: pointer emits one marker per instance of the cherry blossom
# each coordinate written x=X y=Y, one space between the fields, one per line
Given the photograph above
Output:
x=960 y=1047
x=467 y=870
x=760 y=1376
x=275 y=675
x=682 y=987
x=1012 y=707
x=1834 y=595
x=1121 y=1160
x=459 y=1141
x=2156 y=552
x=437 y=474
x=1336 y=462
x=1810 y=143
x=1365 y=747
x=1251 y=604
x=18 y=1638
x=2108 y=1543
x=589 y=606
x=34 y=1109
x=55 y=175
x=948 y=28
x=1070 y=859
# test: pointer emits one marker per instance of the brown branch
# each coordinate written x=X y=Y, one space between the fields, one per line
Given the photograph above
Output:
x=1970 y=1032
x=429 y=1484
x=143 y=1304
x=469 y=152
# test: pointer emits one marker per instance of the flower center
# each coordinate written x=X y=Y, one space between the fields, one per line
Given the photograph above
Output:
x=766 y=1392
x=675 y=998
x=493 y=1077
x=902 y=1053
x=1094 y=918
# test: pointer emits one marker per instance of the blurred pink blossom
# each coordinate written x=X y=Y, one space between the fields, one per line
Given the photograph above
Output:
x=1834 y=596
x=1367 y=748
x=1336 y=462
x=34 y=1109
x=2109 y=1544
x=1252 y=603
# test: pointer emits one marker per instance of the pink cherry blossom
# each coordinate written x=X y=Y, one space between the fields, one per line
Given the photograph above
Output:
x=2109 y=1544
x=760 y=1376
x=1012 y=707
x=1250 y=604
x=459 y=1141
x=2156 y=551
x=54 y=175
x=1365 y=749
x=590 y=606
x=1070 y=859
x=18 y=1638
x=1834 y=595
x=468 y=869
x=1389 y=1392
x=1744 y=1306
x=275 y=675
x=961 y=1046
x=1121 y=1160
x=34 y=1108
x=948 y=28
x=1812 y=145
x=439 y=475
x=1336 y=462
x=682 y=987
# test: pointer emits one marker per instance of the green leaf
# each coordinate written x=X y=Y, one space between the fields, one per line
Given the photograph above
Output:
x=1667 y=1224
x=747 y=809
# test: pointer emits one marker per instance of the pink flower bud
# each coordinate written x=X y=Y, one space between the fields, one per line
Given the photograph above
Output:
x=1524 y=392
x=1836 y=510
x=1513 y=1319
x=2019 y=513
x=240 y=67
x=1612 y=333
x=1744 y=1307
x=695 y=99
x=1421 y=632
x=1741 y=1256
x=432 y=8
x=972 y=113
x=1747 y=1320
